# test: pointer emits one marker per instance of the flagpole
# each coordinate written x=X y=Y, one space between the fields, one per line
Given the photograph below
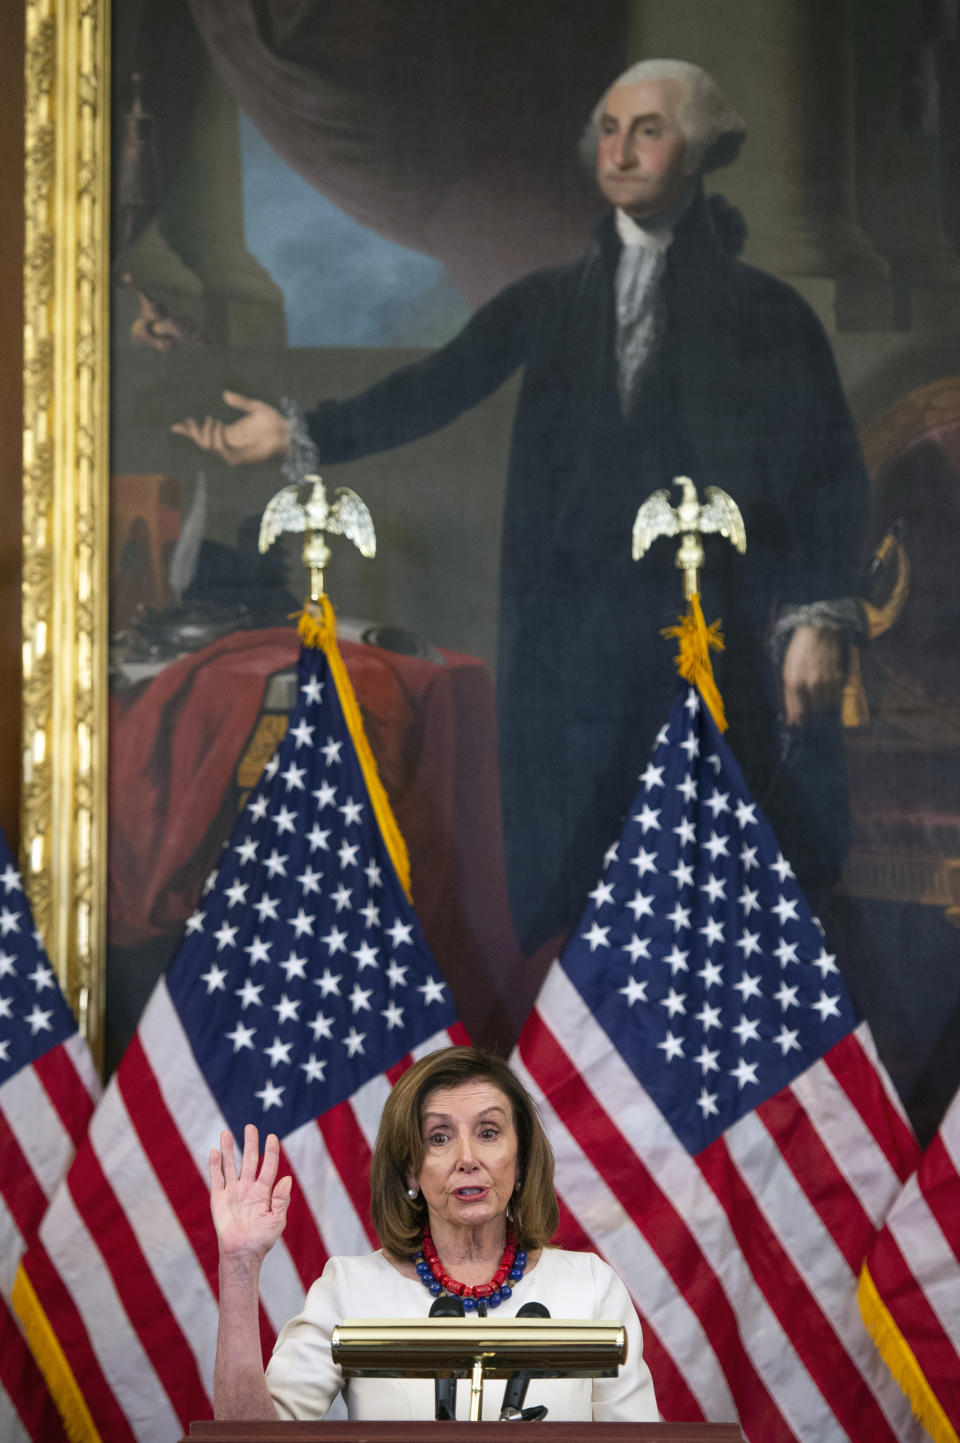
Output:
x=691 y=520
x=697 y=640
x=316 y=626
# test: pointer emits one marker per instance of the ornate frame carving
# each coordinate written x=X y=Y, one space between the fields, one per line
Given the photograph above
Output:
x=66 y=491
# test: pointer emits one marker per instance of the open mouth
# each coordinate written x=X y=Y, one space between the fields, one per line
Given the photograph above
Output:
x=470 y=1192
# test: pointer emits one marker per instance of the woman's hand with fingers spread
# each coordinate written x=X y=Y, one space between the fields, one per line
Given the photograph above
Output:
x=249 y=1208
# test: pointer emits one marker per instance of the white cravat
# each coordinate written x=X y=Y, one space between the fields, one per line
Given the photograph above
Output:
x=641 y=313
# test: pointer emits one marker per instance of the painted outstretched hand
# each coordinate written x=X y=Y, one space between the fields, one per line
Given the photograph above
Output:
x=261 y=434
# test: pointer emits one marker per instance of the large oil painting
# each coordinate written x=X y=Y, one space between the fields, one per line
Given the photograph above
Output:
x=307 y=200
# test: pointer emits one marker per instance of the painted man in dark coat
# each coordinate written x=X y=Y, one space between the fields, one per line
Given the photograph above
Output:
x=657 y=354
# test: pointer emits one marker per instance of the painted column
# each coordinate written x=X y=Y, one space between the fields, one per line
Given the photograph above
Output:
x=789 y=69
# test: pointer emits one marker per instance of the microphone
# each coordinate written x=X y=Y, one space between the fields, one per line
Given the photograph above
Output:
x=517 y=1384
x=445 y=1389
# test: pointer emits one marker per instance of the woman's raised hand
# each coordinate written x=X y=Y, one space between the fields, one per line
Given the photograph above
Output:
x=260 y=434
x=249 y=1209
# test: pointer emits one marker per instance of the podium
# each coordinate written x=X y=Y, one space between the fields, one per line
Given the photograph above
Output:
x=419 y=1432
x=470 y=1347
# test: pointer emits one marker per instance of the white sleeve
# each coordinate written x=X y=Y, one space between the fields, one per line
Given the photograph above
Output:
x=302 y=1378
x=629 y=1397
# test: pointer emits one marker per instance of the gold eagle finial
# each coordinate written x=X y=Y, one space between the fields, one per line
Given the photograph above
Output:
x=656 y=517
x=347 y=515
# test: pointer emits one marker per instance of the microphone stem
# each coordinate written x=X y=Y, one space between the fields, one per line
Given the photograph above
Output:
x=476 y=1391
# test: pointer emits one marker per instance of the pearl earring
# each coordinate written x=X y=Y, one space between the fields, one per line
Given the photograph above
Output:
x=412 y=1192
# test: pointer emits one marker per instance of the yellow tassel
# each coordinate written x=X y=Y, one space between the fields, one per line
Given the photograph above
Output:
x=64 y=1389
x=693 y=659
x=320 y=633
x=901 y=1360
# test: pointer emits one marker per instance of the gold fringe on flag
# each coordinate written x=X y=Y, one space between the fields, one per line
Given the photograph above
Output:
x=902 y=1362
x=320 y=632
x=64 y=1388
x=697 y=639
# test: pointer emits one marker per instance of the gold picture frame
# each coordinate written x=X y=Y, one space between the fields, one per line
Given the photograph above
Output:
x=65 y=491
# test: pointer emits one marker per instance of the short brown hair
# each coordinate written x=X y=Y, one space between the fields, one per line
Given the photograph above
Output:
x=399 y=1220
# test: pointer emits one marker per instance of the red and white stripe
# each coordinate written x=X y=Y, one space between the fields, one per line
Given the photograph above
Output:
x=26 y=1409
x=44 y=1111
x=743 y=1260
x=126 y=1267
x=915 y=1268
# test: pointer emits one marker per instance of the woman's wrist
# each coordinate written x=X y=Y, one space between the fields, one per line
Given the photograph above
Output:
x=240 y=1267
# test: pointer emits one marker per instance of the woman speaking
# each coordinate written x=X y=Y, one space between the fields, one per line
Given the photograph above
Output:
x=462 y=1200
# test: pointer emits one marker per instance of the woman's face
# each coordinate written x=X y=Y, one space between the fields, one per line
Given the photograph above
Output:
x=469 y=1166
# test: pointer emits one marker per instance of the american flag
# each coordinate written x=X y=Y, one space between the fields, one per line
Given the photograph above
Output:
x=910 y=1285
x=47 y=1089
x=302 y=989
x=725 y=1134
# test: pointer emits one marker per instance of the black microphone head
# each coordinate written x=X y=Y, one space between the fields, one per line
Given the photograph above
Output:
x=448 y=1306
x=531 y=1310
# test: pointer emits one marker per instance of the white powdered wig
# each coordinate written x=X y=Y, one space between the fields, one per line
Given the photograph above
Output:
x=714 y=131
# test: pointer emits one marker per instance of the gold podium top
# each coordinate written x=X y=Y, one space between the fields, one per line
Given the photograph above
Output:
x=451 y=1347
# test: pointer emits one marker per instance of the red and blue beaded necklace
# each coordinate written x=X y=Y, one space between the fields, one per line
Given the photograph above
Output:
x=437 y=1281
